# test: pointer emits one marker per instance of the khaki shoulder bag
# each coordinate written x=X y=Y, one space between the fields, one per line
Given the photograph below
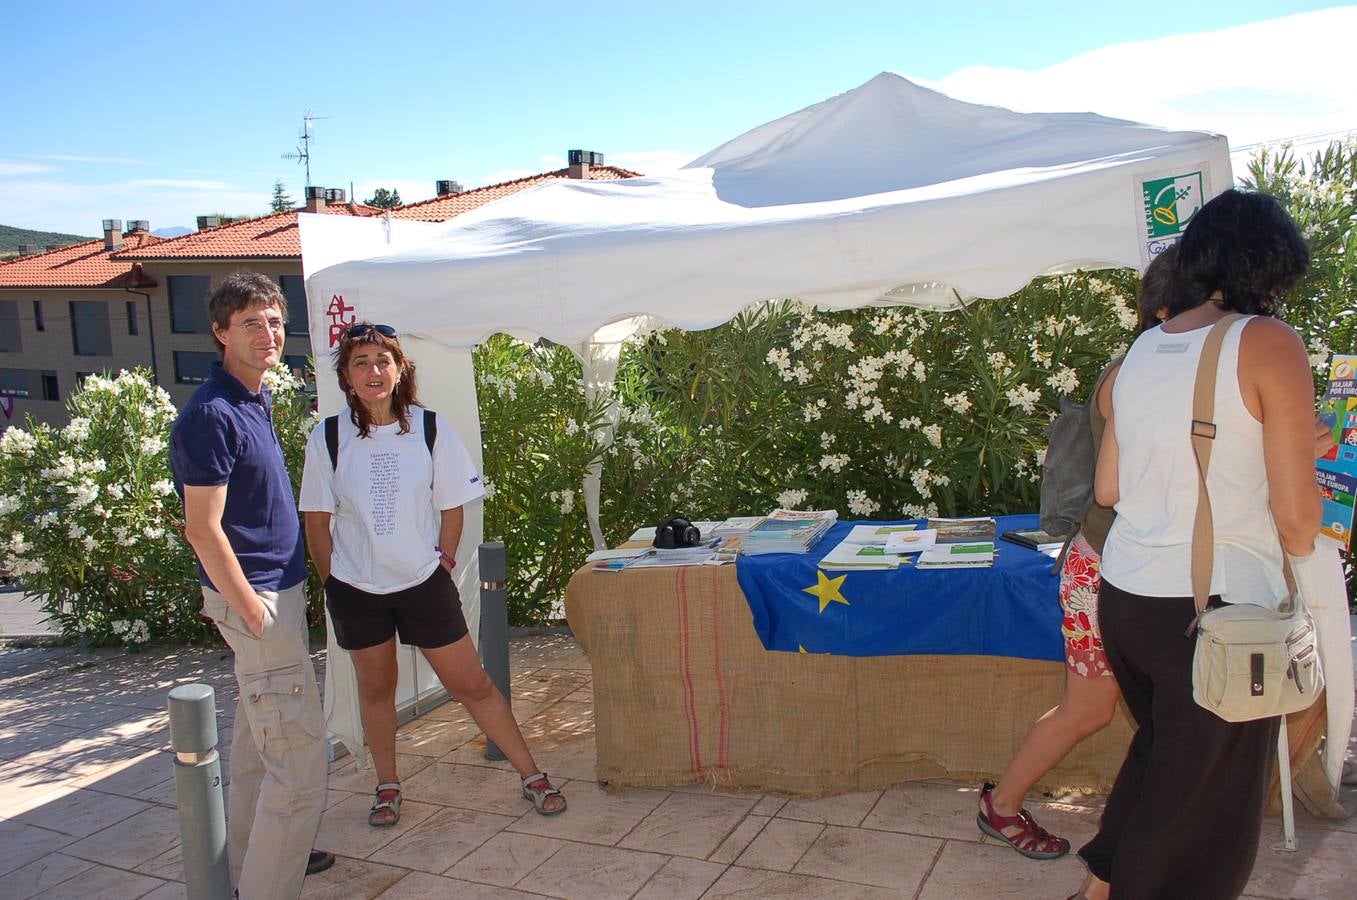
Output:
x=1250 y=662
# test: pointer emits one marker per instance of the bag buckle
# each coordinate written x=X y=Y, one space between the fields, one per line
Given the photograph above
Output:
x=1204 y=429
x=1255 y=675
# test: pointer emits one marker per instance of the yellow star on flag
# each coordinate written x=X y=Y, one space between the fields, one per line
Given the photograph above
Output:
x=827 y=589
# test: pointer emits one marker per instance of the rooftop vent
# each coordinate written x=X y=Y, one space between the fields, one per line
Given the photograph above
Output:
x=335 y=195
x=28 y=249
x=206 y=222
x=139 y=226
x=50 y=247
x=581 y=161
x=113 y=234
x=446 y=188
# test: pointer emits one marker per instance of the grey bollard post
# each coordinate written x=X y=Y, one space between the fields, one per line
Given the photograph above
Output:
x=495 y=625
x=197 y=789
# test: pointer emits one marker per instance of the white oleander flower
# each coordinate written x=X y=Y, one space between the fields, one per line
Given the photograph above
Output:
x=1065 y=380
x=791 y=498
x=834 y=462
x=958 y=403
x=934 y=435
x=861 y=505
x=921 y=479
x=811 y=412
x=567 y=501
x=827 y=440
x=78 y=429
x=1023 y=397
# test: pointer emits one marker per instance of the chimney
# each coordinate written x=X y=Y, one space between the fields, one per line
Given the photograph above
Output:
x=51 y=247
x=139 y=226
x=581 y=161
x=206 y=222
x=28 y=249
x=315 y=199
x=113 y=234
x=445 y=188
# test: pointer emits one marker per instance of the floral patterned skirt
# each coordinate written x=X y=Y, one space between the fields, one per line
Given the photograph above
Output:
x=1079 y=582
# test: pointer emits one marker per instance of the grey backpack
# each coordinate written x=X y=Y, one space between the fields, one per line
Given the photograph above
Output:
x=1067 y=472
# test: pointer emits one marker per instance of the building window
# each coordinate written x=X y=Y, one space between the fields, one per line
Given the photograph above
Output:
x=294 y=289
x=188 y=303
x=39 y=324
x=9 y=327
x=300 y=366
x=50 y=390
x=89 y=328
x=131 y=317
x=14 y=382
x=192 y=366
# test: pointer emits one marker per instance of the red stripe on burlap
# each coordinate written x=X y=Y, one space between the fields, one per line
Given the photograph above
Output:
x=694 y=747
x=724 y=706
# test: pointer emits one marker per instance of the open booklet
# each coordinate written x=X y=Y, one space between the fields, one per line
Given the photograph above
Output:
x=867 y=547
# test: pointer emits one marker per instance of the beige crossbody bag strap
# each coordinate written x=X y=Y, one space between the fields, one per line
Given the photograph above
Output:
x=1203 y=434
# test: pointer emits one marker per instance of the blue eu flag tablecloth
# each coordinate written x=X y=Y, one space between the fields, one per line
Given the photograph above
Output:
x=1011 y=609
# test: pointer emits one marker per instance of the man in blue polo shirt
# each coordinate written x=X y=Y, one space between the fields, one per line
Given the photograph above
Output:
x=241 y=520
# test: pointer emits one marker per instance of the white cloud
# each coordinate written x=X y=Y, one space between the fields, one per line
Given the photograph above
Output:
x=102 y=160
x=1255 y=83
x=9 y=167
x=65 y=206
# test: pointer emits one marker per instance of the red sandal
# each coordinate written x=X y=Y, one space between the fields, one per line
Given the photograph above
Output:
x=1033 y=842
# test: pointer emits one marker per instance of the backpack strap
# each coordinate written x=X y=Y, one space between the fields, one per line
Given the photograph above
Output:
x=430 y=429
x=332 y=439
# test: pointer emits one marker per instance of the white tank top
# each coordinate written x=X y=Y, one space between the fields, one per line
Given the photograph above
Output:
x=1149 y=549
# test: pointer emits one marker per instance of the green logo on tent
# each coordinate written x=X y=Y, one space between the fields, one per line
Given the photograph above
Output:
x=1170 y=203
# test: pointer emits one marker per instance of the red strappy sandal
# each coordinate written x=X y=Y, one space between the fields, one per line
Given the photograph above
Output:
x=1033 y=841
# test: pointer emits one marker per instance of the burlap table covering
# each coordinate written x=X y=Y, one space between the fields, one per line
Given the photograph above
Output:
x=684 y=692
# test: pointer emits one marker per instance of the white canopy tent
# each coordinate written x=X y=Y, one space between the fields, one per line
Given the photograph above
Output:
x=889 y=193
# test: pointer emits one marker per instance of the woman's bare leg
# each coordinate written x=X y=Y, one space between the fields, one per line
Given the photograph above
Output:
x=459 y=668
x=1087 y=706
x=376 y=671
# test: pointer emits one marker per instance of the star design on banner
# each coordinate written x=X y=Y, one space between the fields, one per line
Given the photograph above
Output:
x=827 y=589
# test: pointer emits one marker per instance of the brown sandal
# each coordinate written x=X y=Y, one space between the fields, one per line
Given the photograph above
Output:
x=1033 y=841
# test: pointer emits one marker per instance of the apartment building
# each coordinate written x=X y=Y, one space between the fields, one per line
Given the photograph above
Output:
x=139 y=300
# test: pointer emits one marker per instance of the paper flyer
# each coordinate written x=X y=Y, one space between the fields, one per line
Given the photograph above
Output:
x=1336 y=472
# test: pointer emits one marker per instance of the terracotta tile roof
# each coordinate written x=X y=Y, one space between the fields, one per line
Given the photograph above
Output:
x=83 y=265
x=276 y=235
x=271 y=236
x=441 y=208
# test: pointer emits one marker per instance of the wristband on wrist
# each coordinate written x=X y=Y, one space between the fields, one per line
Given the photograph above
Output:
x=451 y=561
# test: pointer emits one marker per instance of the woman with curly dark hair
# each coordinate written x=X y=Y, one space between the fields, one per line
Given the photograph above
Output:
x=1184 y=815
x=383 y=497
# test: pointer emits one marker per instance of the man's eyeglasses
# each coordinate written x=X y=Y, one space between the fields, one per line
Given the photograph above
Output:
x=362 y=328
x=257 y=326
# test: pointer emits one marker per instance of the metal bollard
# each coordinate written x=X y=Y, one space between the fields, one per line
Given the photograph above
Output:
x=495 y=626
x=197 y=789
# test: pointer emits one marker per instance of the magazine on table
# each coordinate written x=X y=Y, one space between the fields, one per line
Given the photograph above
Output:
x=1035 y=538
x=789 y=531
x=851 y=556
x=970 y=555
x=979 y=528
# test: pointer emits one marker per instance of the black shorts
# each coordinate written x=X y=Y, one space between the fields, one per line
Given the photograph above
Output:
x=426 y=615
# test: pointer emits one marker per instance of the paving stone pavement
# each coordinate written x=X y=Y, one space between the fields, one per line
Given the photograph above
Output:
x=89 y=808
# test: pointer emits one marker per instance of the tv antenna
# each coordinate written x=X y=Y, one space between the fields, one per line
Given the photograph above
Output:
x=303 y=152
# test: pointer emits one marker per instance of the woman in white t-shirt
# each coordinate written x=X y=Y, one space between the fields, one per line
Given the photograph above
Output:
x=383 y=519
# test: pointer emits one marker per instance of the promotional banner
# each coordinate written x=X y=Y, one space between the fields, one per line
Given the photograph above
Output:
x=1336 y=472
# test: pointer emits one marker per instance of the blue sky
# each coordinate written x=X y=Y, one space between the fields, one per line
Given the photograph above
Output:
x=168 y=110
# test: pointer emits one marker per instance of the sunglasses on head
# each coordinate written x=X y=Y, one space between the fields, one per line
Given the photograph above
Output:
x=362 y=328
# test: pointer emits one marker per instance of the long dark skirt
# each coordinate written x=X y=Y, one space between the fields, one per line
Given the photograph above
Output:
x=1186 y=810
